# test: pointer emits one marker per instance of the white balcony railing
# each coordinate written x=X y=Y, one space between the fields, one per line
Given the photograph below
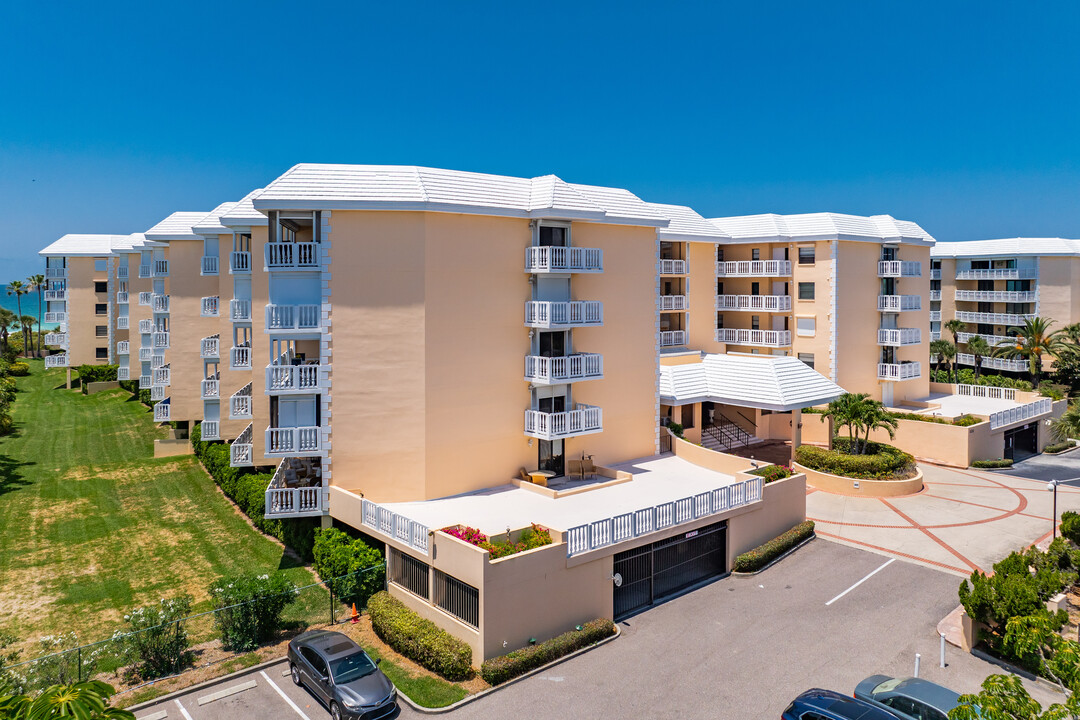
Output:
x=161 y=303
x=55 y=317
x=998 y=274
x=157 y=393
x=673 y=267
x=122 y=297
x=994 y=318
x=146 y=326
x=240 y=358
x=1025 y=412
x=56 y=273
x=287 y=378
x=899 y=336
x=240 y=262
x=157 y=361
x=239 y=310
x=935 y=316
x=121 y=272
x=898 y=303
x=211 y=388
x=1017 y=296
x=994 y=363
x=210 y=347
x=241 y=451
x=292 y=317
x=546 y=314
x=992 y=339
x=563 y=260
x=210 y=306
x=240 y=403
x=145 y=382
x=750 y=303
x=581 y=420
x=935 y=296
x=763 y=338
x=123 y=373
x=211 y=430
x=283 y=501
x=209 y=265
x=754 y=268
x=160 y=268
x=161 y=411
x=145 y=353
x=673 y=302
x=672 y=338
x=935 y=273
x=899 y=371
x=123 y=347
x=391 y=524
x=122 y=322
x=161 y=375
x=935 y=335
x=146 y=297
x=55 y=361
x=292 y=441
x=986 y=391
x=570 y=368
x=144 y=270
x=899 y=268
x=159 y=340
x=291 y=255
x=56 y=295
x=57 y=339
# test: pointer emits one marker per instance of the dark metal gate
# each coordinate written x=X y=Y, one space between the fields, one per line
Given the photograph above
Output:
x=652 y=573
x=1022 y=442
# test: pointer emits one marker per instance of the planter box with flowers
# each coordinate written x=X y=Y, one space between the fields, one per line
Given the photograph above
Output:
x=504 y=545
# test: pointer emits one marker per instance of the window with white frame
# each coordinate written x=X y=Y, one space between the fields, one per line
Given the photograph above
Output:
x=806 y=327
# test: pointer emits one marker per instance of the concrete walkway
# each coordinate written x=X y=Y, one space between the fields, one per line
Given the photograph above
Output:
x=963 y=520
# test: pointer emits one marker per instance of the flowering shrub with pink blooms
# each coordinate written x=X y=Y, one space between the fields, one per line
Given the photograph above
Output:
x=531 y=538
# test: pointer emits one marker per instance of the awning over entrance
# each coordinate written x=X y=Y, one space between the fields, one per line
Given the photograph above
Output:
x=767 y=382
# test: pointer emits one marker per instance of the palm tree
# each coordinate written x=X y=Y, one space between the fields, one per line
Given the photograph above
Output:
x=86 y=701
x=846 y=411
x=955 y=327
x=18 y=289
x=7 y=319
x=876 y=417
x=1033 y=341
x=27 y=322
x=38 y=283
x=945 y=351
x=980 y=348
x=1068 y=425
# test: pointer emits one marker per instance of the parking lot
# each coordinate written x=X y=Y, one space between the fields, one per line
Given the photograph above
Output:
x=742 y=647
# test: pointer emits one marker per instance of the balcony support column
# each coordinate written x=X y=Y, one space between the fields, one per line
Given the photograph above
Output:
x=68 y=377
x=796 y=432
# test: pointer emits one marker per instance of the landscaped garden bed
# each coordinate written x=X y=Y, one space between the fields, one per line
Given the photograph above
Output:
x=1059 y=447
x=992 y=464
x=507 y=667
x=529 y=538
x=772 y=473
x=879 y=461
x=756 y=559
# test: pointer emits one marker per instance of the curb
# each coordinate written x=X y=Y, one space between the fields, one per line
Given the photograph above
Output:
x=774 y=560
x=200 y=686
x=1005 y=665
x=508 y=683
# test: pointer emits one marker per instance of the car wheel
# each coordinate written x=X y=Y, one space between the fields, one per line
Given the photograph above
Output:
x=295 y=672
x=335 y=711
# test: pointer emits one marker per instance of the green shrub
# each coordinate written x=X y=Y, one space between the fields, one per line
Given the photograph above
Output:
x=881 y=462
x=1070 y=526
x=813 y=411
x=354 y=570
x=966 y=421
x=963 y=420
x=1059 y=447
x=420 y=640
x=992 y=464
x=1048 y=389
x=157 y=641
x=771 y=473
x=249 y=608
x=762 y=555
x=507 y=667
x=19 y=369
x=676 y=429
x=96 y=373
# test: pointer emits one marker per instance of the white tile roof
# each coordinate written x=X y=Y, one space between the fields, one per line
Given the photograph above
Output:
x=407 y=187
x=687 y=225
x=211 y=224
x=769 y=382
x=75 y=245
x=176 y=227
x=243 y=213
x=1007 y=246
x=822 y=226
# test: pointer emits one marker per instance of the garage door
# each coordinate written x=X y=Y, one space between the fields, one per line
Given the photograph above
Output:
x=1022 y=442
x=652 y=573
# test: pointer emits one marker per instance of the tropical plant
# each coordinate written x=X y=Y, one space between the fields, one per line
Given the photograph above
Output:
x=7 y=320
x=875 y=417
x=27 y=322
x=980 y=348
x=845 y=412
x=18 y=289
x=84 y=701
x=1068 y=425
x=1004 y=696
x=955 y=327
x=943 y=351
x=1032 y=342
x=38 y=283
x=249 y=608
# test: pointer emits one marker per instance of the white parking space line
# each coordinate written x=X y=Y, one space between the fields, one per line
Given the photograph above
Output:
x=227 y=692
x=285 y=697
x=867 y=577
x=183 y=710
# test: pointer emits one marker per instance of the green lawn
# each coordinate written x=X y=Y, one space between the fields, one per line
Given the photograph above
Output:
x=91 y=525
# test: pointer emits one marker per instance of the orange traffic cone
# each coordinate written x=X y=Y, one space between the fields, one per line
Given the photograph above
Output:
x=355 y=615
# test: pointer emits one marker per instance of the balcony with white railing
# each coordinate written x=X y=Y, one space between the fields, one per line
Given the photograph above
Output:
x=762 y=338
x=211 y=387
x=57 y=339
x=673 y=302
x=292 y=317
x=209 y=265
x=991 y=339
x=1028 y=411
x=160 y=303
x=544 y=259
x=290 y=496
x=994 y=318
x=673 y=267
x=754 y=303
x=291 y=255
x=240 y=310
x=935 y=335
x=935 y=316
x=144 y=270
x=898 y=303
x=998 y=274
x=935 y=273
x=122 y=297
x=161 y=375
x=285 y=378
x=159 y=339
x=240 y=262
x=580 y=420
x=121 y=272
x=210 y=430
x=579 y=313
x=241 y=452
x=145 y=353
x=935 y=296
x=123 y=373
x=145 y=382
x=146 y=297
x=55 y=295
x=541 y=370
x=240 y=403
x=754 y=268
x=899 y=268
x=55 y=317
x=240 y=358
x=146 y=326
x=210 y=348
x=56 y=361
x=157 y=393
x=157 y=361
x=672 y=338
x=994 y=363
x=898 y=337
x=123 y=347
x=1012 y=296
x=292 y=441
x=56 y=273
x=160 y=268
x=210 y=306
x=123 y=322
x=161 y=411
x=899 y=371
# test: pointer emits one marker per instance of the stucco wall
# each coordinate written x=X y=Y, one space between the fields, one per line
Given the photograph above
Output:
x=82 y=319
x=187 y=328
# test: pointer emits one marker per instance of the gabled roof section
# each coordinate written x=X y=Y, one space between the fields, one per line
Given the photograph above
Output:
x=687 y=226
x=767 y=382
x=82 y=245
x=176 y=227
x=1007 y=246
x=211 y=224
x=822 y=226
x=406 y=187
x=243 y=213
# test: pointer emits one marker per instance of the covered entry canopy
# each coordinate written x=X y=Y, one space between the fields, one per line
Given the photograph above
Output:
x=766 y=382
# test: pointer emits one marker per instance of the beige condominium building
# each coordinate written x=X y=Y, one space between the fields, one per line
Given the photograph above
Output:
x=992 y=285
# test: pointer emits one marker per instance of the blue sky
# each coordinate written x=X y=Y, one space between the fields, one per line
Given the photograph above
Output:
x=961 y=116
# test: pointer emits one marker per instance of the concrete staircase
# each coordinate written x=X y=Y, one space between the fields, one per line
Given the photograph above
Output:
x=724 y=436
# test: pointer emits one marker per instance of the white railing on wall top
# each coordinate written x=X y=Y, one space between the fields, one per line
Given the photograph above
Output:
x=1042 y=406
x=998 y=274
x=986 y=391
x=563 y=259
x=395 y=526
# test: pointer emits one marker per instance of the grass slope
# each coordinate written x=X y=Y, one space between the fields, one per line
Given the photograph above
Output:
x=91 y=525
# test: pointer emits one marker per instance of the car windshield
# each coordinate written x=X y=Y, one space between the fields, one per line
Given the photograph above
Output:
x=351 y=667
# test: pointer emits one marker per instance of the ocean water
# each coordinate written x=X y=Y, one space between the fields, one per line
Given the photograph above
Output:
x=29 y=302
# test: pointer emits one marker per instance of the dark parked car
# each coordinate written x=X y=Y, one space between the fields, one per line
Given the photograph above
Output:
x=818 y=704
x=341 y=675
x=908 y=698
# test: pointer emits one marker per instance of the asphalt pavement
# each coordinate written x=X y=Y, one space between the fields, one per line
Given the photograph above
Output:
x=1063 y=467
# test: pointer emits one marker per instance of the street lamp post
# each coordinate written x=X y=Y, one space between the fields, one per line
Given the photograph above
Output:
x=1053 y=486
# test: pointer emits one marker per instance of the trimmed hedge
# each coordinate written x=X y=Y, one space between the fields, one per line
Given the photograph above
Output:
x=507 y=667
x=96 y=373
x=762 y=555
x=1059 y=447
x=345 y=562
x=418 y=639
x=882 y=462
x=992 y=464
x=19 y=369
